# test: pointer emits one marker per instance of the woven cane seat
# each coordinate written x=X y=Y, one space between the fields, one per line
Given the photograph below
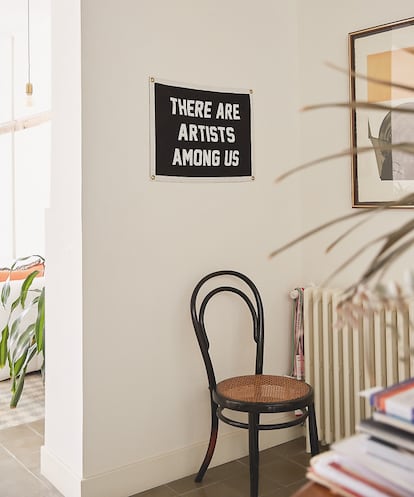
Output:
x=265 y=389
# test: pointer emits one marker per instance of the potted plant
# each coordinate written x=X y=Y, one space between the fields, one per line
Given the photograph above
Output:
x=22 y=337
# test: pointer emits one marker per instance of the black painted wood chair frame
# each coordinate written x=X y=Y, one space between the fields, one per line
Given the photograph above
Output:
x=297 y=396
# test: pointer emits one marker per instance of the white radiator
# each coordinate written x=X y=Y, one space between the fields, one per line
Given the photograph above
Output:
x=336 y=362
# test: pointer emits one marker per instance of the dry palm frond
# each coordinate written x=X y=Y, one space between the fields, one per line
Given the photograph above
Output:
x=384 y=82
x=358 y=105
x=407 y=147
x=318 y=229
x=394 y=243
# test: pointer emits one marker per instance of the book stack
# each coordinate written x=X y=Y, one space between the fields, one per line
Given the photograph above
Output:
x=379 y=460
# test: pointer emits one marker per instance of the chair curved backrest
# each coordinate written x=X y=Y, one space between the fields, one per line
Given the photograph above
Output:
x=198 y=312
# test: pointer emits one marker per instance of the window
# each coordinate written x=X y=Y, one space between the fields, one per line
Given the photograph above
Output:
x=24 y=131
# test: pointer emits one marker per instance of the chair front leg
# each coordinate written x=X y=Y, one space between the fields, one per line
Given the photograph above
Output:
x=254 y=453
x=211 y=445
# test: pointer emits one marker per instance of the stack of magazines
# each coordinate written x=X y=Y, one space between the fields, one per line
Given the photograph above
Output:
x=379 y=460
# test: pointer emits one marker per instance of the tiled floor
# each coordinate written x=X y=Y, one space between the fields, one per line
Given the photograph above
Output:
x=20 y=462
x=282 y=470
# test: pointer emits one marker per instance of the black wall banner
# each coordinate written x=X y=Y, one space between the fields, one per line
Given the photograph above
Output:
x=200 y=134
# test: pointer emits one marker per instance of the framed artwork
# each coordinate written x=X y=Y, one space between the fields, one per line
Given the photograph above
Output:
x=381 y=61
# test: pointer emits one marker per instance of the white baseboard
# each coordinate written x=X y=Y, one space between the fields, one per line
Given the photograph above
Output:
x=59 y=474
x=155 y=471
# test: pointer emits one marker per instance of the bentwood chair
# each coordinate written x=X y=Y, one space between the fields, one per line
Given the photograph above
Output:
x=253 y=394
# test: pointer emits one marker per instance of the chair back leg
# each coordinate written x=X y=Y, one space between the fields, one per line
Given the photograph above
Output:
x=211 y=445
x=313 y=430
x=254 y=453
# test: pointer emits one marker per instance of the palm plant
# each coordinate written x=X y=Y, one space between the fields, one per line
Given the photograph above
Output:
x=23 y=334
x=368 y=287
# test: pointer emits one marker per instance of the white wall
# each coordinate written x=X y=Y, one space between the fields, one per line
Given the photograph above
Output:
x=131 y=372
x=145 y=244
x=62 y=454
x=324 y=26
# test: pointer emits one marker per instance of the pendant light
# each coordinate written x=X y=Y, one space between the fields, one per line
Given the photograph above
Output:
x=29 y=86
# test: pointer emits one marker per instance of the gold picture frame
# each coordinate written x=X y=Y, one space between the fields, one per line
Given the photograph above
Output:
x=382 y=53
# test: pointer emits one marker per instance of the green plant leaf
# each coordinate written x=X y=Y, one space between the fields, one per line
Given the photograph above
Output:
x=19 y=337
x=15 y=304
x=40 y=322
x=26 y=286
x=4 y=346
x=18 y=381
x=17 y=365
x=5 y=292
x=18 y=389
x=22 y=344
x=14 y=327
x=24 y=360
x=19 y=319
x=30 y=354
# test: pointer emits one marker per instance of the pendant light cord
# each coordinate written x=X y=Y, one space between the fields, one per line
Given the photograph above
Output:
x=28 y=41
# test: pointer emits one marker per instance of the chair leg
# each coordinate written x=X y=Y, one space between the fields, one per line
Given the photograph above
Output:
x=211 y=445
x=254 y=453
x=313 y=430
